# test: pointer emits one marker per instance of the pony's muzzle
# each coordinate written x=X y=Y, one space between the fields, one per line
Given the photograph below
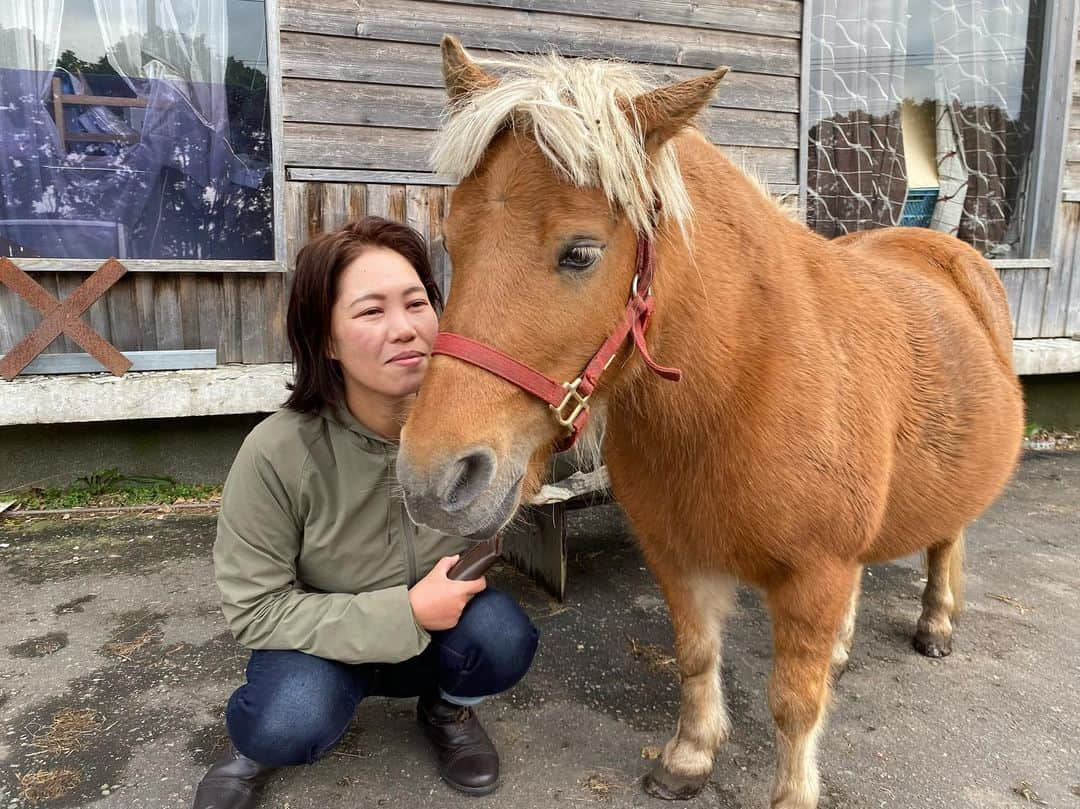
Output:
x=463 y=495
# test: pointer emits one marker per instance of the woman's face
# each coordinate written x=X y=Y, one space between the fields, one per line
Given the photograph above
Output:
x=382 y=325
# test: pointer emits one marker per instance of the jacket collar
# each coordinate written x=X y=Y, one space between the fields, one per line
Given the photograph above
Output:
x=343 y=417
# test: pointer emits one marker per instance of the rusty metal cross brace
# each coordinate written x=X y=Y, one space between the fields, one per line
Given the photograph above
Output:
x=62 y=318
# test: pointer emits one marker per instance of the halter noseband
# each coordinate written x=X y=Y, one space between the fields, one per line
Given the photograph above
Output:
x=569 y=401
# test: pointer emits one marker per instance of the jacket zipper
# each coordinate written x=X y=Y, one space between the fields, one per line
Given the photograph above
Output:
x=406 y=524
x=410 y=550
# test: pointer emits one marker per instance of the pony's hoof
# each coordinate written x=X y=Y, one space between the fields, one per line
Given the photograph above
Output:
x=666 y=785
x=930 y=645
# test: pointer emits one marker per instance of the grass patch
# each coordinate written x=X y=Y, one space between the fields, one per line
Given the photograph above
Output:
x=110 y=487
x=44 y=785
x=70 y=730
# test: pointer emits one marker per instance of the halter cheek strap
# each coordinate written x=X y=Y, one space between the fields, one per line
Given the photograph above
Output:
x=569 y=401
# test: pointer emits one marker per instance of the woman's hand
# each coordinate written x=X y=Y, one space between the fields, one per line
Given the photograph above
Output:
x=437 y=601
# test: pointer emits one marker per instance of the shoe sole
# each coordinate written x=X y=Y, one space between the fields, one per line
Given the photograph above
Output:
x=470 y=790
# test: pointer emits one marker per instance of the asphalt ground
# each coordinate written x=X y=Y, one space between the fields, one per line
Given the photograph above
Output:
x=116 y=665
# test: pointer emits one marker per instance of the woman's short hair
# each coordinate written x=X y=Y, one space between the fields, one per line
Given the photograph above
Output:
x=318 y=380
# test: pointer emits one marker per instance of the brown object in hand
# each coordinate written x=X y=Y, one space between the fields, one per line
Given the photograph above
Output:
x=476 y=561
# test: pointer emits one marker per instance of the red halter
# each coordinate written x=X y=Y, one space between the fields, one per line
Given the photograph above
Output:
x=569 y=401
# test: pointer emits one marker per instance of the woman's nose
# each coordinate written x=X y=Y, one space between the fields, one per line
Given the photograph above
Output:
x=401 y=327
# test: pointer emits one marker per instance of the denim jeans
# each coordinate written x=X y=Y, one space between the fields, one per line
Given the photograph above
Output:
x=295 y=706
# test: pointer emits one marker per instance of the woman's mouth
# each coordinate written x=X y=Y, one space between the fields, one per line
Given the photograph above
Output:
x=407 y=359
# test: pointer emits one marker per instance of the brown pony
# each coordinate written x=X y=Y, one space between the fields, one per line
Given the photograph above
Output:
x=842 y=402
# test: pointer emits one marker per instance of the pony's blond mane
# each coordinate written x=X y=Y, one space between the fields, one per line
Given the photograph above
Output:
x=576 y=111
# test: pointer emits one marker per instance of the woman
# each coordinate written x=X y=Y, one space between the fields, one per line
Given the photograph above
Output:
x=322 y=574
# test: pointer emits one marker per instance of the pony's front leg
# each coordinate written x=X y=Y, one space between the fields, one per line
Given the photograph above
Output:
x=698 y=608
x=807 y=610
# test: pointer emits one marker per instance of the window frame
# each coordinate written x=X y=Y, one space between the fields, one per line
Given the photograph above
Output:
x=1050 y=140
x=277 y=159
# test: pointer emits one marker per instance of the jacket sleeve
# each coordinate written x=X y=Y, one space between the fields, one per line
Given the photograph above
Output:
x=259 y=534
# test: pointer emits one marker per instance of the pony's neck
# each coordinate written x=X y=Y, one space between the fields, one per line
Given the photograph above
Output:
x=721 y=300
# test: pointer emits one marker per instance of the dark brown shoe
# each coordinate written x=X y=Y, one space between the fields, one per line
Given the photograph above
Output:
x=467 y=758
x=232 y=783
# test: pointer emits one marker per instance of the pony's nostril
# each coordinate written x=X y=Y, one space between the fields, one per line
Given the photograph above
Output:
x=468 y=477
x=459 y=483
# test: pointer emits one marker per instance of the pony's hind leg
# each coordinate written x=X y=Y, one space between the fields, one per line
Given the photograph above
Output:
x=699 y=607
x=807 y=611
x=846 y=636
x=943 y=597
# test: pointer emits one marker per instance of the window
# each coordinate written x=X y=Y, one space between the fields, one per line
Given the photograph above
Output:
x=135 y=128
x=924 y=112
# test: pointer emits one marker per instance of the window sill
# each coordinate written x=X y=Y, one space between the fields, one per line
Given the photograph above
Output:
x=178 y=265
x=1022 y=263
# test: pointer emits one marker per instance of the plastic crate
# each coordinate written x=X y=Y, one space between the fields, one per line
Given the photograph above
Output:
x=919 y=207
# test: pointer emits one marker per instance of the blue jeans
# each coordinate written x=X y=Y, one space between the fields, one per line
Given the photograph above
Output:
x=295 y=706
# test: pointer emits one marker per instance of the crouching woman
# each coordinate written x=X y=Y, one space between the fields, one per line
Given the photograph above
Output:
x=322 y=573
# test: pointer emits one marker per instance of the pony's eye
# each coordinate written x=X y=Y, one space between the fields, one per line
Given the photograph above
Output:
x=580 y=256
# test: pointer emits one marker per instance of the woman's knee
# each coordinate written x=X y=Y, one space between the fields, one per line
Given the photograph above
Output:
x=293 y=708
x=492 y=646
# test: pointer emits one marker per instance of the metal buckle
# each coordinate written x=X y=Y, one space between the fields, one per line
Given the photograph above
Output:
x=580 y=403
x=633 y=288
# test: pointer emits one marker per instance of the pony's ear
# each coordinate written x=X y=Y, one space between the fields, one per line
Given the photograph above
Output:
x=661 y=113
x=462 y=75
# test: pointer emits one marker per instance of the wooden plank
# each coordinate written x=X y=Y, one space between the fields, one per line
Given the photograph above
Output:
x=79 y=363
x=769 y=17
x=10 y=319
x=231 y=348
x=1056 y=302
x=326 y=145
x=335 y=208
x=517 y=31
x=357 y=104
x=275 y=292
x=337 y=58
x=167 y=322
x=359 y=177
x=189 y=310
x=1013 y=281
x=124 y=314
x=1029 y=314
x=144 y=305
x=436 y=212
x=295 y=220
x=397 y=208
x=1072 y=175
x=1072 y=305
x=536 y=545
x=252 y=320
x=211 y=313
x=140 y=265
x=378 y=200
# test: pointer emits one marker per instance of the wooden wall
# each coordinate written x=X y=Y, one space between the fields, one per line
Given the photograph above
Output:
x=1045 y=301
x=362 y=92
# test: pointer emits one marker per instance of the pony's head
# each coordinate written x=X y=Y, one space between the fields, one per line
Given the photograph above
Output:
x=561 y=165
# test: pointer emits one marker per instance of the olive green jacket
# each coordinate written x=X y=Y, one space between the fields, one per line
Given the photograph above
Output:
x=314 y=548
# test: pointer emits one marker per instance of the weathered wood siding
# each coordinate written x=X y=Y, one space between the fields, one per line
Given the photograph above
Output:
x=362 y=91
x=363 y=87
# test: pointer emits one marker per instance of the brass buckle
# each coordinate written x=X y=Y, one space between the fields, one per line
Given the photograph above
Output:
x=572 y=398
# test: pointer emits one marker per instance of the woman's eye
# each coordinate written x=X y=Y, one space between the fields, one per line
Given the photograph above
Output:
x=369 y=312
x=420 y=304
x=580 y=257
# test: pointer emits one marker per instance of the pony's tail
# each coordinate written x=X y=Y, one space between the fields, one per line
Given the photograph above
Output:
x=956 y=574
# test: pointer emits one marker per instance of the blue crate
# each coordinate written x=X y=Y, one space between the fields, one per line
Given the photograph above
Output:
x=919 y=207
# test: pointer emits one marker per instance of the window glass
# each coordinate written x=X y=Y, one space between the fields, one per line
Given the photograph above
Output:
x=922 y=113
x=136 y=129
